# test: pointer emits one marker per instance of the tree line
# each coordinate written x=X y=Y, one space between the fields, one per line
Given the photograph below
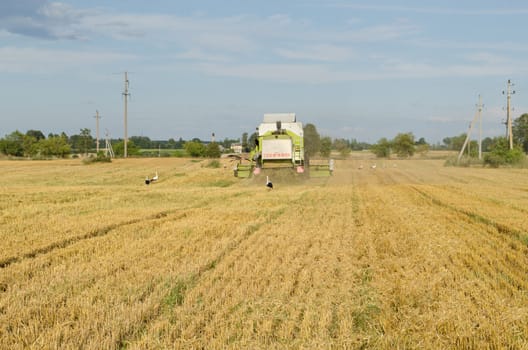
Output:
x=34 y=144
x=404 y=144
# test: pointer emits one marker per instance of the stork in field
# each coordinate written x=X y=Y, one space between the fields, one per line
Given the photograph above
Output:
x=149 y=181
x=269 y=185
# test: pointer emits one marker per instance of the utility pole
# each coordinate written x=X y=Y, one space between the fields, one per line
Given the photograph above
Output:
x=467 y=142
x=109 y=151
x=508 y=94
x=126 y=94
x=479 y=109
x=97 y=117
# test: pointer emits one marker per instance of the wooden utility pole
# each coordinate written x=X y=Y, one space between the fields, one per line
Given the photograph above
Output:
x=109 y=151
x=468 y=136
x=126 y=94
x=479 y=110
x=97 y=117
x=508 y=94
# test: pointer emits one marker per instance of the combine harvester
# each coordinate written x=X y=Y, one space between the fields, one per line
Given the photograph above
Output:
x=279 y=144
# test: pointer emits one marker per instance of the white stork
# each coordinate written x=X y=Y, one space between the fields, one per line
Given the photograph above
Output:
x=149 y=181
x=268 y=183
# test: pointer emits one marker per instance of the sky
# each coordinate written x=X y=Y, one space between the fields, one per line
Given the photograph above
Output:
x=355 y=69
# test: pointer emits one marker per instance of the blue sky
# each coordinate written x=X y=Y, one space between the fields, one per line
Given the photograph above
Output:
x=355 y=69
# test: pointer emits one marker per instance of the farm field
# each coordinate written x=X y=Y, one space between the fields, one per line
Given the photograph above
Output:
x=410 y=255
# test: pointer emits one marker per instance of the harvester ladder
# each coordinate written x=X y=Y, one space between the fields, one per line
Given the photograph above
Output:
x=297 y=159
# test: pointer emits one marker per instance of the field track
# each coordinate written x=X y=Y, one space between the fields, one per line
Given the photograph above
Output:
x=409 y=255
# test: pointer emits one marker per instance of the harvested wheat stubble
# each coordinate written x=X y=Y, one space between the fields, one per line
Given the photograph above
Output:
x=407 y=255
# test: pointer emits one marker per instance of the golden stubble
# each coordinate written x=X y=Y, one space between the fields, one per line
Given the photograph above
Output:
x=407 y=255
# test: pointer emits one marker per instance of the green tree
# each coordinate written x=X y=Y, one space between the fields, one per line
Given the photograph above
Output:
x=228 y=142
x=245 y=145
x=119 y=148
x=422 y=147
x=86 y=140
x=403 y=145
x=30 y=144
x=520 y=131
x=487 y=142
x=501 y=154
x=252 y=142
x=455 y=143
x=143 y=142
x=13 y=144
x=312 y=140
x=82 y=142
x=473 y=148
x=195 y=149
x=213 y=150
x=37 y=134
x=325 y=148
x=358 y=146
x=341 y=145
x=54 y=146
x=171 y=143
x=421 y=141
x=382 y=149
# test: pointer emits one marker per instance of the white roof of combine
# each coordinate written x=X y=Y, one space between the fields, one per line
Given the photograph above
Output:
x=287 y=123
x=279 y=117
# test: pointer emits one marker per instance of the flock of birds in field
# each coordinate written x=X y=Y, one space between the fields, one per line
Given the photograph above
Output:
x=149 y=180
x=269 y=184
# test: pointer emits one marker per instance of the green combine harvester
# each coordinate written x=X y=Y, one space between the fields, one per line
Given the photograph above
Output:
x=279 y=144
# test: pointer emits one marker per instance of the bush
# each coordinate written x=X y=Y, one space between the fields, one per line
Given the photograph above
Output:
x=382 y=149
x=501 y=154
x=213 y=150
x=100 y=158
x=213 y=164
x=403 y=145
x=132 y=149
x=493 y=160
x=195 y=148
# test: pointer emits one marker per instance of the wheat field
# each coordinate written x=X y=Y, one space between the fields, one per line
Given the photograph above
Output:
x=410 y=255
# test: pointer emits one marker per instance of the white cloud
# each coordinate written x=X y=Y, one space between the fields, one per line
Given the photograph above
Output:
x=432 y=10
x=487 y=58
x=322 y=52
x=442 y=119
x=24 y=60
x=276 y=48
x=197 y=54
x=454 y=44
x=316 y=73
x=272 y=72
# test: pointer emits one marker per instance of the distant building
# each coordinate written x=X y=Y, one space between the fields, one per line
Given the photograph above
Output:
x=236 y=147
